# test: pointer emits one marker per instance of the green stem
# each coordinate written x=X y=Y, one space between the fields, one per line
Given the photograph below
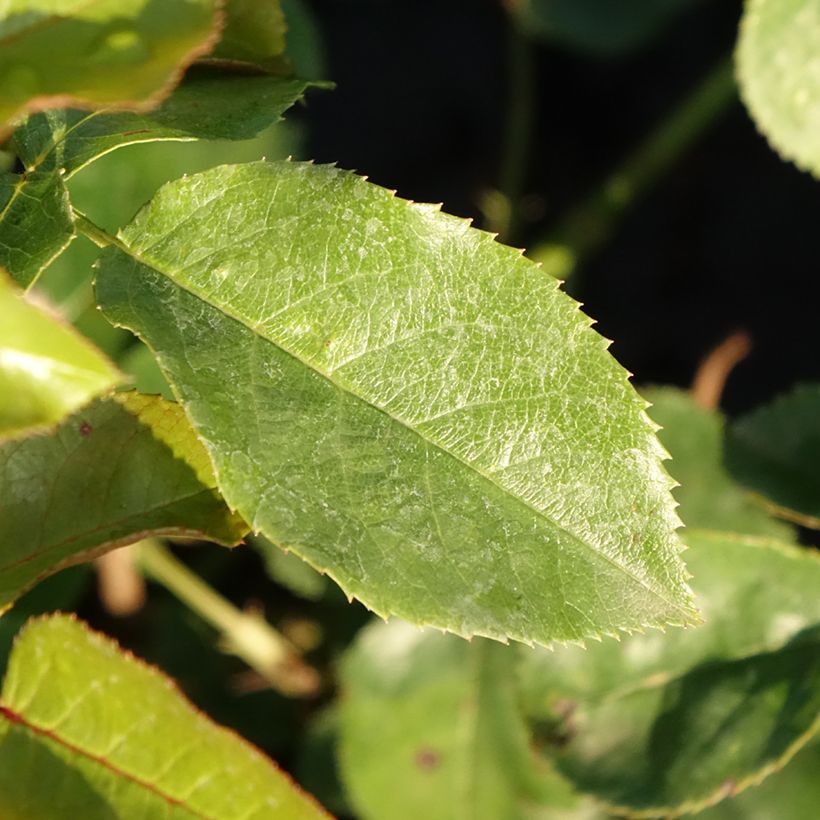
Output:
x=100 y=237
x=518 y=136
x=246 y=634
x=590 y=224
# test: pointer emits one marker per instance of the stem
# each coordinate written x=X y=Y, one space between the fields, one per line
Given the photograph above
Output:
x=246 y=634
x=518 y=134
x=590 y=224
x=100 y=237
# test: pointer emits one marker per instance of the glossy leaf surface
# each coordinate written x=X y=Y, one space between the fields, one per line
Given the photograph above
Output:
x=780 y=76
x=47 y=370
x=118 y=470
x=430 y=727
x=775 y=452
x=207 y=105
x=408 y=405
x=53 y=52
x=709 y=497
x=35 y=223
x=666 y=722
x=153 y=754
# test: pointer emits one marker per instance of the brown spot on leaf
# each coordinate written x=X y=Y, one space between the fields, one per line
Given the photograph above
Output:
x=428 y=759
x=85 y=429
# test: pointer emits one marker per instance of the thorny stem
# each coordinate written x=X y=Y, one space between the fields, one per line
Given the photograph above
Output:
x=590 y=224
x=246 y=634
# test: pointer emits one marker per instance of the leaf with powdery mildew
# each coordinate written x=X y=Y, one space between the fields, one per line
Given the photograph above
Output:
x=153 y=754
x=403 y=402
x=55 y=53
x=116 y=471
x=779 y=74
x=47 y=369
x=663 y=724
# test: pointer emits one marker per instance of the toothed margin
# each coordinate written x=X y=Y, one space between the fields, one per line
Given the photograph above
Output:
x=671 y=546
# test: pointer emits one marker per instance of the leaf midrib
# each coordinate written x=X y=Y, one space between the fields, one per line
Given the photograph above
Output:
x=15 y=718
x=120 y=243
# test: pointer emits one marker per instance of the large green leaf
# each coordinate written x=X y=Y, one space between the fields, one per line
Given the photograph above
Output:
x=87 y=731
x=408 y=405
x=662 y=723
x=35 y=222
x=779 y=75
x=603 y=26
x=47 y=370
x=708 y=496
x=430 y=728
x=207 y=105
x=775 y=452
x=53 y=52
x=118 y=470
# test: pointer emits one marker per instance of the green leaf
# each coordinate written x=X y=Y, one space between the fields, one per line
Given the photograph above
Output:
x=254 y=33
x=429 y=727
x=36 y=224
x=598 y=26
x=665 y=723
x=207 y=105
x=708 y=496
x=406 y=404
x=118 y=470
x=779 y=76
x=47 y=370
x=775 y=450
x=154 y=754
x=290 y=571
x=793 y=792
x=57 y=52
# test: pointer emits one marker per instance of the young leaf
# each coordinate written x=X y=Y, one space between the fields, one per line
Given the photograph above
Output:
x=207 y=105
x=775 y=452
x=118 y=470
x=430 y=728
x=57 y=52
x=47 y=370
x=153 y=754
x=708 y=496
x=779 y=77
x=408 y=405
x=662 y=724
x=35 y=223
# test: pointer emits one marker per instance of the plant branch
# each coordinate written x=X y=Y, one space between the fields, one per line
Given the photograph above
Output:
x=246 y=634
x=591 y=223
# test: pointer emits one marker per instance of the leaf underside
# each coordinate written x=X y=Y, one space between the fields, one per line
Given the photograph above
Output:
x=406 y=404
x=118 y=470
x=153 y=754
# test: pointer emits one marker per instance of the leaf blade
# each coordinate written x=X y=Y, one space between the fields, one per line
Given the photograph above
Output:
x=305 y=349
x=121 y=764
x=118 y=470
